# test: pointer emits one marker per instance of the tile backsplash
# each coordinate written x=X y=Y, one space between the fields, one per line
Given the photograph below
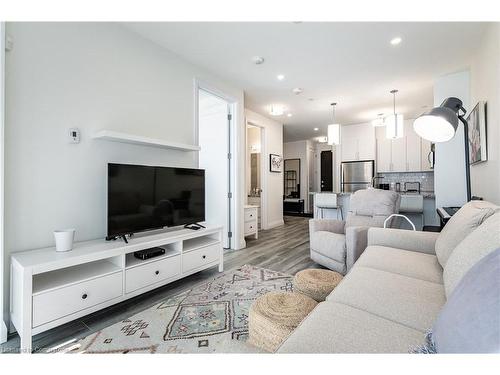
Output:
x=426 y=179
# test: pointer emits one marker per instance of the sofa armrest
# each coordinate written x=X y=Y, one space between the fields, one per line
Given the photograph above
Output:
x=327 y=225
x=422 y=242
x=356 y=239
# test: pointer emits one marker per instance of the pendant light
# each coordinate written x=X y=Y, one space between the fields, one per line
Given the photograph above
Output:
x=394 y=123
x=333 y=130
x=379 y=121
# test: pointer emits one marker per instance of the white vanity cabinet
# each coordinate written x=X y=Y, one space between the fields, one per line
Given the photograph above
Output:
x=251 y=221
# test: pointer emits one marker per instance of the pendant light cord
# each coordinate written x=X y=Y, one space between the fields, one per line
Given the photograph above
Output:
x=333 y=112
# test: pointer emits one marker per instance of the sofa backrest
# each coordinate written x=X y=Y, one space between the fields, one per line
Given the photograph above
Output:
x=466 y=220
x=478 y=244
x=370 y=207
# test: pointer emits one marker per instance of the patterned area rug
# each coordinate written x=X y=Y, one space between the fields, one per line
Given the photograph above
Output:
x=210 y=318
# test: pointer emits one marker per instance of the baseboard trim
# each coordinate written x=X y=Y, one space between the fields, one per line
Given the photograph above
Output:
x=275 y=224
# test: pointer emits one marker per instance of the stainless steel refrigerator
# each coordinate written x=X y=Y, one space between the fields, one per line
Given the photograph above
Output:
x=356 y=175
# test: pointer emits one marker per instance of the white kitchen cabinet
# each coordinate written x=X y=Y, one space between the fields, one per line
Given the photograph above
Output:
x=399 y=155
x=349 y=148
x=357 y=142
x=384 y=158
x=413 y=148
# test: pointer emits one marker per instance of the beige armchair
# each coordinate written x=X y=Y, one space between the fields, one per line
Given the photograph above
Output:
x=337 y=244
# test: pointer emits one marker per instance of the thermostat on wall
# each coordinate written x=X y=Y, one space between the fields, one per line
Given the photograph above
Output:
x=74 y=135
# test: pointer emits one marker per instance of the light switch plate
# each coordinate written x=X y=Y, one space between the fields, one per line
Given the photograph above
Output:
x=74 y=135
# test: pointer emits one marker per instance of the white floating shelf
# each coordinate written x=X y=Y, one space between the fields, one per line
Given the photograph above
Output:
x=109 y=135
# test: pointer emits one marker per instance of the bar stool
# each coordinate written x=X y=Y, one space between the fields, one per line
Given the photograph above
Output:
x=327 y=201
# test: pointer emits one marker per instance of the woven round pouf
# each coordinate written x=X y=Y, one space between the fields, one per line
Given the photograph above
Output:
x=274 y=316
x=315 y=283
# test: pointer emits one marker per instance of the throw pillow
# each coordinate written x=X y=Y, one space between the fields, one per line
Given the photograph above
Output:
x=468 y=218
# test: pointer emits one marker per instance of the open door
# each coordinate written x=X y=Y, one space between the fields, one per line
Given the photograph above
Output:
x=214 y=132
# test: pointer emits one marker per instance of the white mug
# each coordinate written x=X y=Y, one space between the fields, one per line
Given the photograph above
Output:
x=64 y=239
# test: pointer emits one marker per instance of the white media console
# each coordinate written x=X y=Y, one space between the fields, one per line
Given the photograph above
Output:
x=49 y=288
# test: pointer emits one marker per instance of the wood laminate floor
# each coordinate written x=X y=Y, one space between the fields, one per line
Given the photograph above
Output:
x=284 y=249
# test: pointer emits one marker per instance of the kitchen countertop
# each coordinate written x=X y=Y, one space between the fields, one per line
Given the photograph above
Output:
x=426 y=194
x=250 y=206
x=330 y=192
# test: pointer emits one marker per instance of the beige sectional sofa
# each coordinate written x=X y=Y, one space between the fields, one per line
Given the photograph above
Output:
x=396 y=289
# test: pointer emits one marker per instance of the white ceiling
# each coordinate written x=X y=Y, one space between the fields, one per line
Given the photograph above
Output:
x=350 y=63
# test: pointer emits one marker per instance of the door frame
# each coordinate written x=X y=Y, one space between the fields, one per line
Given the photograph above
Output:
x=234 y=207
x=264 y=222
x=3 y=326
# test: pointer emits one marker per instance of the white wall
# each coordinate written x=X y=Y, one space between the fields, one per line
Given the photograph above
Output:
x=449 y=170
x=485 y=86
x=272 y=183
x=91 y=76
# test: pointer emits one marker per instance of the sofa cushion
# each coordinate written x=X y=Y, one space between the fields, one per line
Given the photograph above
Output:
x=468 y=218
x=406 y=300
x=473 y=248
x=328 y=244
x=470 y=319
x=402 y=262
x=337 y=328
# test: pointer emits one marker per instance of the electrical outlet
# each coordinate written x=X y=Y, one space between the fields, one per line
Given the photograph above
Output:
x=74 y=135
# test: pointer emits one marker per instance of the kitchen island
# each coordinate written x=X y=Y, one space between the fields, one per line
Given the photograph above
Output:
x=420 y=208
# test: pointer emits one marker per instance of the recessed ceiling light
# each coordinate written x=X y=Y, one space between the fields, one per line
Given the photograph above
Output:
x=277 y=110
x=297 y=91
x=316 y=129
x=258 y=60
x=395 y=41
x=289 y=115
x=280 y=77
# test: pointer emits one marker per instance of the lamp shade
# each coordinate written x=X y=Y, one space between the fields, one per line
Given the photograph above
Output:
x=394 y=126
x=334 y=134
x=437 y=125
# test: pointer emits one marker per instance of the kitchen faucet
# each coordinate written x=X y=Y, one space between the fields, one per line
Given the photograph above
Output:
x=374 y=178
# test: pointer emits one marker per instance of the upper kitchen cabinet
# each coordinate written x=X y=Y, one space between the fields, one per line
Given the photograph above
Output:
x=402 y=154
x=357 y=142
x=413 y=148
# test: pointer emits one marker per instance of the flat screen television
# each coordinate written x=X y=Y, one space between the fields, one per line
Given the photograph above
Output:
x=144 y=198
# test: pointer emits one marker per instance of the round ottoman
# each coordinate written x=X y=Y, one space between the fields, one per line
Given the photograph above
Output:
x=316 y=283
x=273 y=316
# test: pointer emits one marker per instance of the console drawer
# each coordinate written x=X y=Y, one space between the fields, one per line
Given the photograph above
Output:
x=67 y=300
x=150 y=273
x=198 y=258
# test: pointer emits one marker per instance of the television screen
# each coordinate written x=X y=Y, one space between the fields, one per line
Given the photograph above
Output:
x=142 y=198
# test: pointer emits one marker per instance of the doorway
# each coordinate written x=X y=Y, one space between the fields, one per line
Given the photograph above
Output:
x=215 y=118
x=256 y=141
x=326 y=171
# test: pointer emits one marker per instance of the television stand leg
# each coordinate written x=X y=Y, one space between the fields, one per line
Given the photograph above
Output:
x=124 y=238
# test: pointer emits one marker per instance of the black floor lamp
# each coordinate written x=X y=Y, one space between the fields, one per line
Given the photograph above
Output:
x=440 y=125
